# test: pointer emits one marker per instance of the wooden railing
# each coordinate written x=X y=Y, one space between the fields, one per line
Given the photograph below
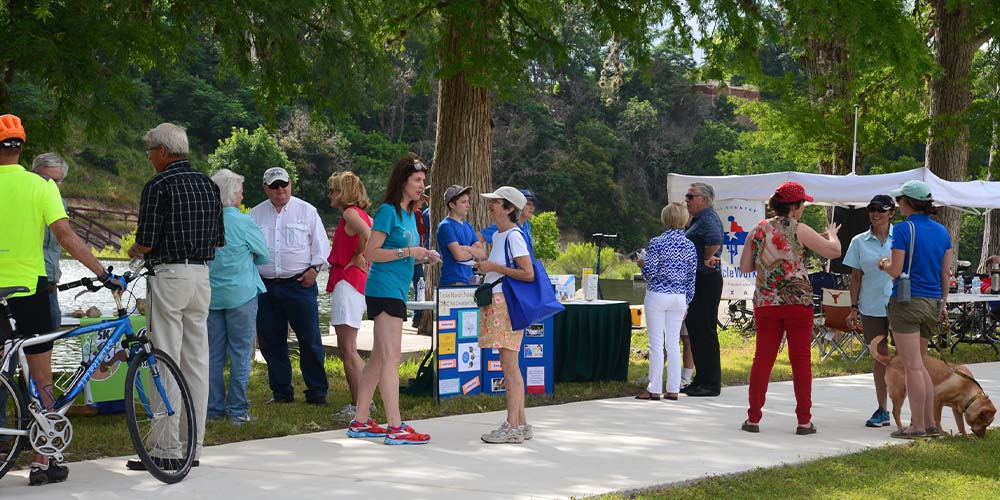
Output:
x=86 y=224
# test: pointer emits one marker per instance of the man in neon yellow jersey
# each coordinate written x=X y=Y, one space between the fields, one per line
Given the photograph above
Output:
x=29 y=203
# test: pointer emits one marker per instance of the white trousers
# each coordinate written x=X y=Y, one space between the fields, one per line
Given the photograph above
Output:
x=664 y=317
x=179 y=295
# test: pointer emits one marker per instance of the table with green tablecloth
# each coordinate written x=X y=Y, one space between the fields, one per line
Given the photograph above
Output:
x=592 y=341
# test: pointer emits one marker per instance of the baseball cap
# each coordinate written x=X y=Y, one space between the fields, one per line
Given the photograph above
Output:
x=275 y=174
x=454 y=191
x=914 y=189
x=528 y=195
x=882 y=202
x=791 y=192
x=508 y=193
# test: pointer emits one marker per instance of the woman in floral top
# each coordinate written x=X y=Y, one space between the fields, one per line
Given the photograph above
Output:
x=669 y=268
x=782 y=298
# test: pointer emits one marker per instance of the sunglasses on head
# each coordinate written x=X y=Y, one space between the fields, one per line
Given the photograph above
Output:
x=278 y=184
x=418 y=166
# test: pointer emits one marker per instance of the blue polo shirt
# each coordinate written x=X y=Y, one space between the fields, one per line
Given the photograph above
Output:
x=863 y=254
x=391 y=279
x=928 y=251
x=452 y=231
x=705 y=231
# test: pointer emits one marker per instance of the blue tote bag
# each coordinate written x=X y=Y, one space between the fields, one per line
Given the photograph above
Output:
x=529 y=302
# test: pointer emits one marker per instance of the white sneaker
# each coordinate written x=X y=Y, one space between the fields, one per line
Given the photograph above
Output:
x=503 y=435
x=526 y=431
x=346 y=412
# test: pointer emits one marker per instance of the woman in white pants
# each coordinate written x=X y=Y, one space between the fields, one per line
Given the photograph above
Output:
x=669 y=268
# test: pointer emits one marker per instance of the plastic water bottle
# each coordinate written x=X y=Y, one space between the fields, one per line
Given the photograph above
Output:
x=976 y=285
x=421 y=290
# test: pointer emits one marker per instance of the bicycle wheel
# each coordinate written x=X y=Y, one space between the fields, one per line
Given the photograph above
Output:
x=160 y=415
x=13 y=415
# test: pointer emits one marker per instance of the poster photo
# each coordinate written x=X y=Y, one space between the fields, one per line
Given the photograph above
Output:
x=533 y=350
x=468 y=324
x=469 y=358
x=496 y=384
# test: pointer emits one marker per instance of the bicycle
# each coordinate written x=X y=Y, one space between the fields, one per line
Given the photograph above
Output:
x=158 y=402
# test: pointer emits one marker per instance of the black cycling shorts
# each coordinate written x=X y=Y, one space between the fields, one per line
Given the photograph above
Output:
x=33 y=316
x=378 y=305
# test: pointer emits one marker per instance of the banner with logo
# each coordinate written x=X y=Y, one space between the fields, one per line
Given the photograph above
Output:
x=738 y=217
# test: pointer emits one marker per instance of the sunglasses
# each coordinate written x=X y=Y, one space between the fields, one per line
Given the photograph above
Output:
x=418 y=166
x=690 y=196
x=278 y=184
x=879 y=209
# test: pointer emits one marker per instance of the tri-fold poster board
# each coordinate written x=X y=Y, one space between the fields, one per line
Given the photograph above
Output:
x=463 y=369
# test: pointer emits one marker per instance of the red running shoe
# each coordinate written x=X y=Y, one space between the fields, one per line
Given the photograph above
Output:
x=369 y=429
x=404 y=434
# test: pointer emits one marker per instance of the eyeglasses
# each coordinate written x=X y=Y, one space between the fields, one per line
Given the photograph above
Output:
x=149 y=151
x=278 y=184
x=690 y=196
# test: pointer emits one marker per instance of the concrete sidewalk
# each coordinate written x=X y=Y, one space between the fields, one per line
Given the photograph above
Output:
x=579 y=449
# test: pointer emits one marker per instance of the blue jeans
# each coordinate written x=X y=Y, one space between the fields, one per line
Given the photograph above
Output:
x=230 y=333
x=292 y=304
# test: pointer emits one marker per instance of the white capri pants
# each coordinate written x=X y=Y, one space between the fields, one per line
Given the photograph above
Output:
x=664 y=317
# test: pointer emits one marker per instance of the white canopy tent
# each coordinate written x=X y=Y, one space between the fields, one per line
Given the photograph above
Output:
x=841 y=190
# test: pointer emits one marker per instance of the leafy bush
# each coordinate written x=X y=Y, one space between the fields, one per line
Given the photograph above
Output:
x=545 y=233
x=580 y=255
x=250 y=154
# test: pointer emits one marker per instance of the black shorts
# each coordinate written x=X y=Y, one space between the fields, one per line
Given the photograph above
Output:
x=378 y=305
x=33 y=315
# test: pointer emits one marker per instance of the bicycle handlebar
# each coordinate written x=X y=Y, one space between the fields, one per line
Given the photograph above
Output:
x=94 y=284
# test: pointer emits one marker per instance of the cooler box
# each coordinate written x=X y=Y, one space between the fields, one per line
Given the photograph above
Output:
x=638 y=317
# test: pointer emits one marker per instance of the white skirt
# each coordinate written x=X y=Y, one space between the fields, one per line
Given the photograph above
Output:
x=347 y=306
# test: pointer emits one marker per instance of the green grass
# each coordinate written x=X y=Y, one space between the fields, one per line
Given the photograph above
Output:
x=106 y=435
x=955 y=467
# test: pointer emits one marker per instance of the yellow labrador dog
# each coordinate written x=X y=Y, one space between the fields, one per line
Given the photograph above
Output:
x=954 y=387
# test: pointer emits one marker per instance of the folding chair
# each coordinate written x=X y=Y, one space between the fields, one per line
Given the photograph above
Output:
x=834 y=334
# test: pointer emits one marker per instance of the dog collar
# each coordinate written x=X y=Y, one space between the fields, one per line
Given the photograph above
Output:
x=981 y=395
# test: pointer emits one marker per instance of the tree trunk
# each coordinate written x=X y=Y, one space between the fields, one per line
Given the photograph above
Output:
x=947 y=153
x=991 y=226
x=463 y=144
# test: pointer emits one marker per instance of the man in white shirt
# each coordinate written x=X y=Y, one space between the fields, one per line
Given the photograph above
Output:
x=298 y=246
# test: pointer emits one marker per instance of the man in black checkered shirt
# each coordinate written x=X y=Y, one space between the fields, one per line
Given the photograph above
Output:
x=180 y=226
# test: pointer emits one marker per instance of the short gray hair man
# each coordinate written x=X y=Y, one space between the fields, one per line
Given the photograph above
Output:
x=705 y=190
x=172 y=137
x=46 y=161
x=230 y=183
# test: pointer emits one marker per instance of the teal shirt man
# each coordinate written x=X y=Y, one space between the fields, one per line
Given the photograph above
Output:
x=876 y=285
x=233 y=274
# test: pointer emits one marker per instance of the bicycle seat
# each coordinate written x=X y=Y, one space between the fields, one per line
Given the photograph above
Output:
x=11 y=290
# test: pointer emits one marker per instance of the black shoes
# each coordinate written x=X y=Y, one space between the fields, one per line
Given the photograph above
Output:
x=164 y=463
x=318 y=402
x=698 y=391
x=279 y=400
x=52 y=474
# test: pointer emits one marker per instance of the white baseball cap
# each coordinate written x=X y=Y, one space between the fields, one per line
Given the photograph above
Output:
x=275 y=174
x=510 y=194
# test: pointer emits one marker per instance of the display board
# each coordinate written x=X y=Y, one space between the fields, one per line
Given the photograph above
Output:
x=738 y=217
x=463 y=369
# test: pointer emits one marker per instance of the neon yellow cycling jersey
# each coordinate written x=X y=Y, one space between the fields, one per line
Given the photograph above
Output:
x=28 y=204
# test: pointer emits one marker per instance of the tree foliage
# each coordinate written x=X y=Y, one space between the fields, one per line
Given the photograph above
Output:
x=250 y=154
x=545 y=233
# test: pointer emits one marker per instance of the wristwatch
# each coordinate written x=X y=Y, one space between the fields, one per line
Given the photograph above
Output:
x=854 y=306
x=400 y=253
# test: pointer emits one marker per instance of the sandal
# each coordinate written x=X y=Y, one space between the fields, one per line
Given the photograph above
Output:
x=805 y=431
x=904 y=434
x=649 y=396
x=747 y=426
x=671 y=397
x=933 y=432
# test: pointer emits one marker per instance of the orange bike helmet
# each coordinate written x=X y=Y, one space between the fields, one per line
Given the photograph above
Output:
x=10 y=128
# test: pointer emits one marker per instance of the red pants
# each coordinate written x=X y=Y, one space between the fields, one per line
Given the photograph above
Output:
x=796 y=321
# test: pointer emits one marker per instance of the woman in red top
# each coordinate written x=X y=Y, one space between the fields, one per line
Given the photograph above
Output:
x=348 y=274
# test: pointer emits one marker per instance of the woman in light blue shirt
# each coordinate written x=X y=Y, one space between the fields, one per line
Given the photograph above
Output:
x=232 y=315
x=870 y=290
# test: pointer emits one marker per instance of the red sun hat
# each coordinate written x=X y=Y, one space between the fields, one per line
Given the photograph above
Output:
x=791 y=192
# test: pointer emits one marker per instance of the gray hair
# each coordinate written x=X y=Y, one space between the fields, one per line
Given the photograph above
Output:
x=172 y=137
x=705 y=190
x=229 y=183
x=49 y=160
